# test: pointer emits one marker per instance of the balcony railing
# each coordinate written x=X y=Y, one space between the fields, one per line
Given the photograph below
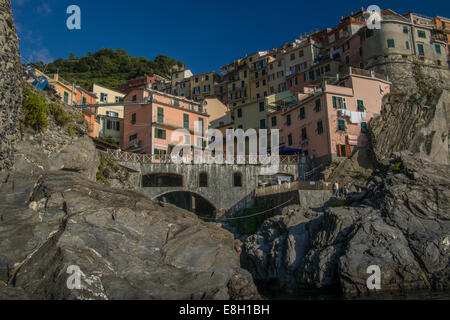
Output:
x=122 y=156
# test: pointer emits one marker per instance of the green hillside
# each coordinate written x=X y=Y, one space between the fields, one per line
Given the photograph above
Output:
x=109 y=67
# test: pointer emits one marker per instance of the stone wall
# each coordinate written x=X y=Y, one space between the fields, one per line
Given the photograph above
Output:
x=401 y=72
x=10 y=85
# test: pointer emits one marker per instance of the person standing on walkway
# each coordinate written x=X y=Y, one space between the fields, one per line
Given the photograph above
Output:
x=336 y=189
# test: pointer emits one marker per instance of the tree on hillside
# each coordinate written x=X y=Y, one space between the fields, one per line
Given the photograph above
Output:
x=109 y=67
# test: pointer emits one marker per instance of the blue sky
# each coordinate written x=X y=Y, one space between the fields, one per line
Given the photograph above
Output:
x=205 y=35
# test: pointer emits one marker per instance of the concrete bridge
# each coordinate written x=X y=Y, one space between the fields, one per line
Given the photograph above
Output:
x=220 y=189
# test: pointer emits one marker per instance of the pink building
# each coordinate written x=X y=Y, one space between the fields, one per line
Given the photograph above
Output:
x=332 y=120
x=149 y=127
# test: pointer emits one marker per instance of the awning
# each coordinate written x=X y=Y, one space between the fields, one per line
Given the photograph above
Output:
x=290 y=150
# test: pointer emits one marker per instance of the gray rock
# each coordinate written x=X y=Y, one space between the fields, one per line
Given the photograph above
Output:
x=126 y=246
x=404 y=228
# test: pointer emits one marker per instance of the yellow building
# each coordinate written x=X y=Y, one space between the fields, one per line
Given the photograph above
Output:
x=215 y=108
x=106 y=95
x=64 y=89
x=202 y=85
x=251 y=115
x=110 y=117
x=259 y=76
x=239 y=85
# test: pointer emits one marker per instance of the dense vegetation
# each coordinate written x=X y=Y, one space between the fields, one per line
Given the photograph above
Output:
x=109 y=67
x=37 y=112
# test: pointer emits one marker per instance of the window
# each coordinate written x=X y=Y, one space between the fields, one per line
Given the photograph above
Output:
x=262 y=124
x=83 y=100
x=103 y=97
x=292 y=56
x=160 y=153
x=175 y=103
x=391 y=43
x=347 y=60
x=264 y=82
x=206 y=78
x=407 y=45
x=288 y=120
x=361 y=107
x=341 y=125
x=239 y=113
x=133 y=118
x=257 y=84
x=405 y=29
x=160 y=115
x=421 y=34
x=133 y=137
x=290 y=142
x=203 y=180
x=369 y=33
x=302 y=113
x=320 y=127
x=134 y=98
x=201 y=124
x=256 y=75
x=420 y=49
x=245 y=74
x=187 y=139
x=438 y=49
x=261 y=107
x=112 y=114
x=364 y=128
x=339 y=103
x=186 y=121
x=113 y=125
x=237 y=179
x=304 y=134
x=274 y=121
x=318 y=106
x=160 y=134
x=66 y=97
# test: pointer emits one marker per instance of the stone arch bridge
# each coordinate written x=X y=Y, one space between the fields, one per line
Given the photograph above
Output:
x=227 y=188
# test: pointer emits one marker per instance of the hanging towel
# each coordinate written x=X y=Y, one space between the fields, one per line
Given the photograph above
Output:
x=356 y=117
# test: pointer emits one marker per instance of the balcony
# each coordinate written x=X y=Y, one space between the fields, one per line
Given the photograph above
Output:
x=291 y=73
x=176 y=124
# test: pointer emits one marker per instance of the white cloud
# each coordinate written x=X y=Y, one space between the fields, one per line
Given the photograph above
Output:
x=44 y=9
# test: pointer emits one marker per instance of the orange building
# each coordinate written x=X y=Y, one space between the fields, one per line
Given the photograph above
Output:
x=149 y=127
x=84 y=97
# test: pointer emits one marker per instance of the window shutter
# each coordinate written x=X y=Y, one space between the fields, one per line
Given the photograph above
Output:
x=164 y=134
x=335 y=102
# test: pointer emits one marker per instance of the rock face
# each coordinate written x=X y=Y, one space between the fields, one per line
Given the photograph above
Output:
x=415 y=117
x=403 y=227
x=126 y=246
x=10 y=84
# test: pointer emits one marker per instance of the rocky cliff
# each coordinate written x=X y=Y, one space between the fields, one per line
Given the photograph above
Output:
x=10 y=84
x=415 y=120
x=402 y=226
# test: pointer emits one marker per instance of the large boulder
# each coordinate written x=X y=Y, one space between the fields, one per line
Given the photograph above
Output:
x=126 y=246
x=403 y=227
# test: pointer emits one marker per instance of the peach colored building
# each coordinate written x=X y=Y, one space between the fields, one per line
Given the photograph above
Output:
x=149 y=127
x=83 y=97
x=332 y=120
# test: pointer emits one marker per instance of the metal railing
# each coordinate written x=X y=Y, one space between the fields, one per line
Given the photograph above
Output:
x=122 y=156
